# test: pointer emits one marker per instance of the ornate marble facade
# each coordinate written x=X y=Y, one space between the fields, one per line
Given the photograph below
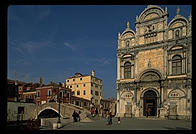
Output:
x=154 y=66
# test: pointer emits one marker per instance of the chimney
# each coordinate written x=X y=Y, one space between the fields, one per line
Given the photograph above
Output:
x=40 y=81
x=63 y=84
x=93 y=73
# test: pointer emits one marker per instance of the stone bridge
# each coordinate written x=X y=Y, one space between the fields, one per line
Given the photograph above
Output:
x=32 y=111
x=66 y=110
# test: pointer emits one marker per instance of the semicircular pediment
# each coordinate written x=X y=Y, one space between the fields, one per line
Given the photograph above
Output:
x=127 y=34
x=151 y=12
x=176 y=93
x=127 y=95
x=178 y=22
x=150 y=76
x=151 y=16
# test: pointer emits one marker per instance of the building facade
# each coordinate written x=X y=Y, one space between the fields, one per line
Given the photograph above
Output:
x=86 y=86
x=154 y=66
x=108 y=105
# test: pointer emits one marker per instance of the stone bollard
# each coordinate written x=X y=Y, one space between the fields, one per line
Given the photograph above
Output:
x=54 y=126
x=58 y=125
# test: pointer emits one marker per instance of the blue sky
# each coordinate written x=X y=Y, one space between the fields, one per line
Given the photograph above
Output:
x=54 y=42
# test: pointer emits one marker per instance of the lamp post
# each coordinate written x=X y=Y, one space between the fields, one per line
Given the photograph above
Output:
x=59 y=117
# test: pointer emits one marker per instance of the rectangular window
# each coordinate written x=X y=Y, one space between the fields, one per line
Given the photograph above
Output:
x=38 y=94
x=70 y=86
x=78 y=92
x=84 y=85
x=84 y=92
x=92 y=92
x=61 y=94
x=73 y=79
x=73 y=92
x=77 y=85
x=80 y=78
x=49 y=93
x=96 y=93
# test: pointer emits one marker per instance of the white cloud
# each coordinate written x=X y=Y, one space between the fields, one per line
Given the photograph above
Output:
x=69 y=45
x=29 y=47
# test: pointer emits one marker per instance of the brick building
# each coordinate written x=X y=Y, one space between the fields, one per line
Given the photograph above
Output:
x=27 y=92
x=154 y=66
x=51 y=92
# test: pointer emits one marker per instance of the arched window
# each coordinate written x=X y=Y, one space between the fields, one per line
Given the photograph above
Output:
x=177 y=33
x=176 y=64
x=127 y=43
x=127 y=70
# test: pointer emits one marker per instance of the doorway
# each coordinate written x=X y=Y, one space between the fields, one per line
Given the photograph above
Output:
x=150 y=102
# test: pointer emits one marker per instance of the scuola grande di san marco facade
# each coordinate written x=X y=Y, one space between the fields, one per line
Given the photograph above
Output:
x=154 y=66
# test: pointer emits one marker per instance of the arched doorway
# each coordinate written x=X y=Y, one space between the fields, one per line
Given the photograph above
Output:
x=150 y=101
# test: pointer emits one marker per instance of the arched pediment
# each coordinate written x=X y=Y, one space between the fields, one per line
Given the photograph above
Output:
x=128 y=34
x=128 y=56
x=127 y=96
x=149 y=75
x=150 y=13
x=151 y=16
x=176 y=93
x=178 y=21
x=178 y=47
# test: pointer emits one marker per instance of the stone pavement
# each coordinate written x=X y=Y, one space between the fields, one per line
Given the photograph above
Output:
x=99 y=123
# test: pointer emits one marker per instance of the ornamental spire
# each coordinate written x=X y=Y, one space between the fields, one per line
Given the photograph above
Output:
x=190 y=17
x=128 y=25
x=178 y=11
x=166 y=9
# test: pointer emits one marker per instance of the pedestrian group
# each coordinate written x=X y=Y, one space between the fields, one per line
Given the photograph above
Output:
x=76 y=116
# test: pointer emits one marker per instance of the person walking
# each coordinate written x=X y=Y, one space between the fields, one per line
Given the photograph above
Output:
x=149 y=111
x=92 y=112
x=74 y=116
x=96 y=111
x=146 y=112
x=78 y=116
x=119 y=120
x=110 y=118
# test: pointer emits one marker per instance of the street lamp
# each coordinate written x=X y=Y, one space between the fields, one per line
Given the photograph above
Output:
x=59 y=117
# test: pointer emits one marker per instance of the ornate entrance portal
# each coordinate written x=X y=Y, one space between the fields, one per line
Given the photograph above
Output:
x=150 y=102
